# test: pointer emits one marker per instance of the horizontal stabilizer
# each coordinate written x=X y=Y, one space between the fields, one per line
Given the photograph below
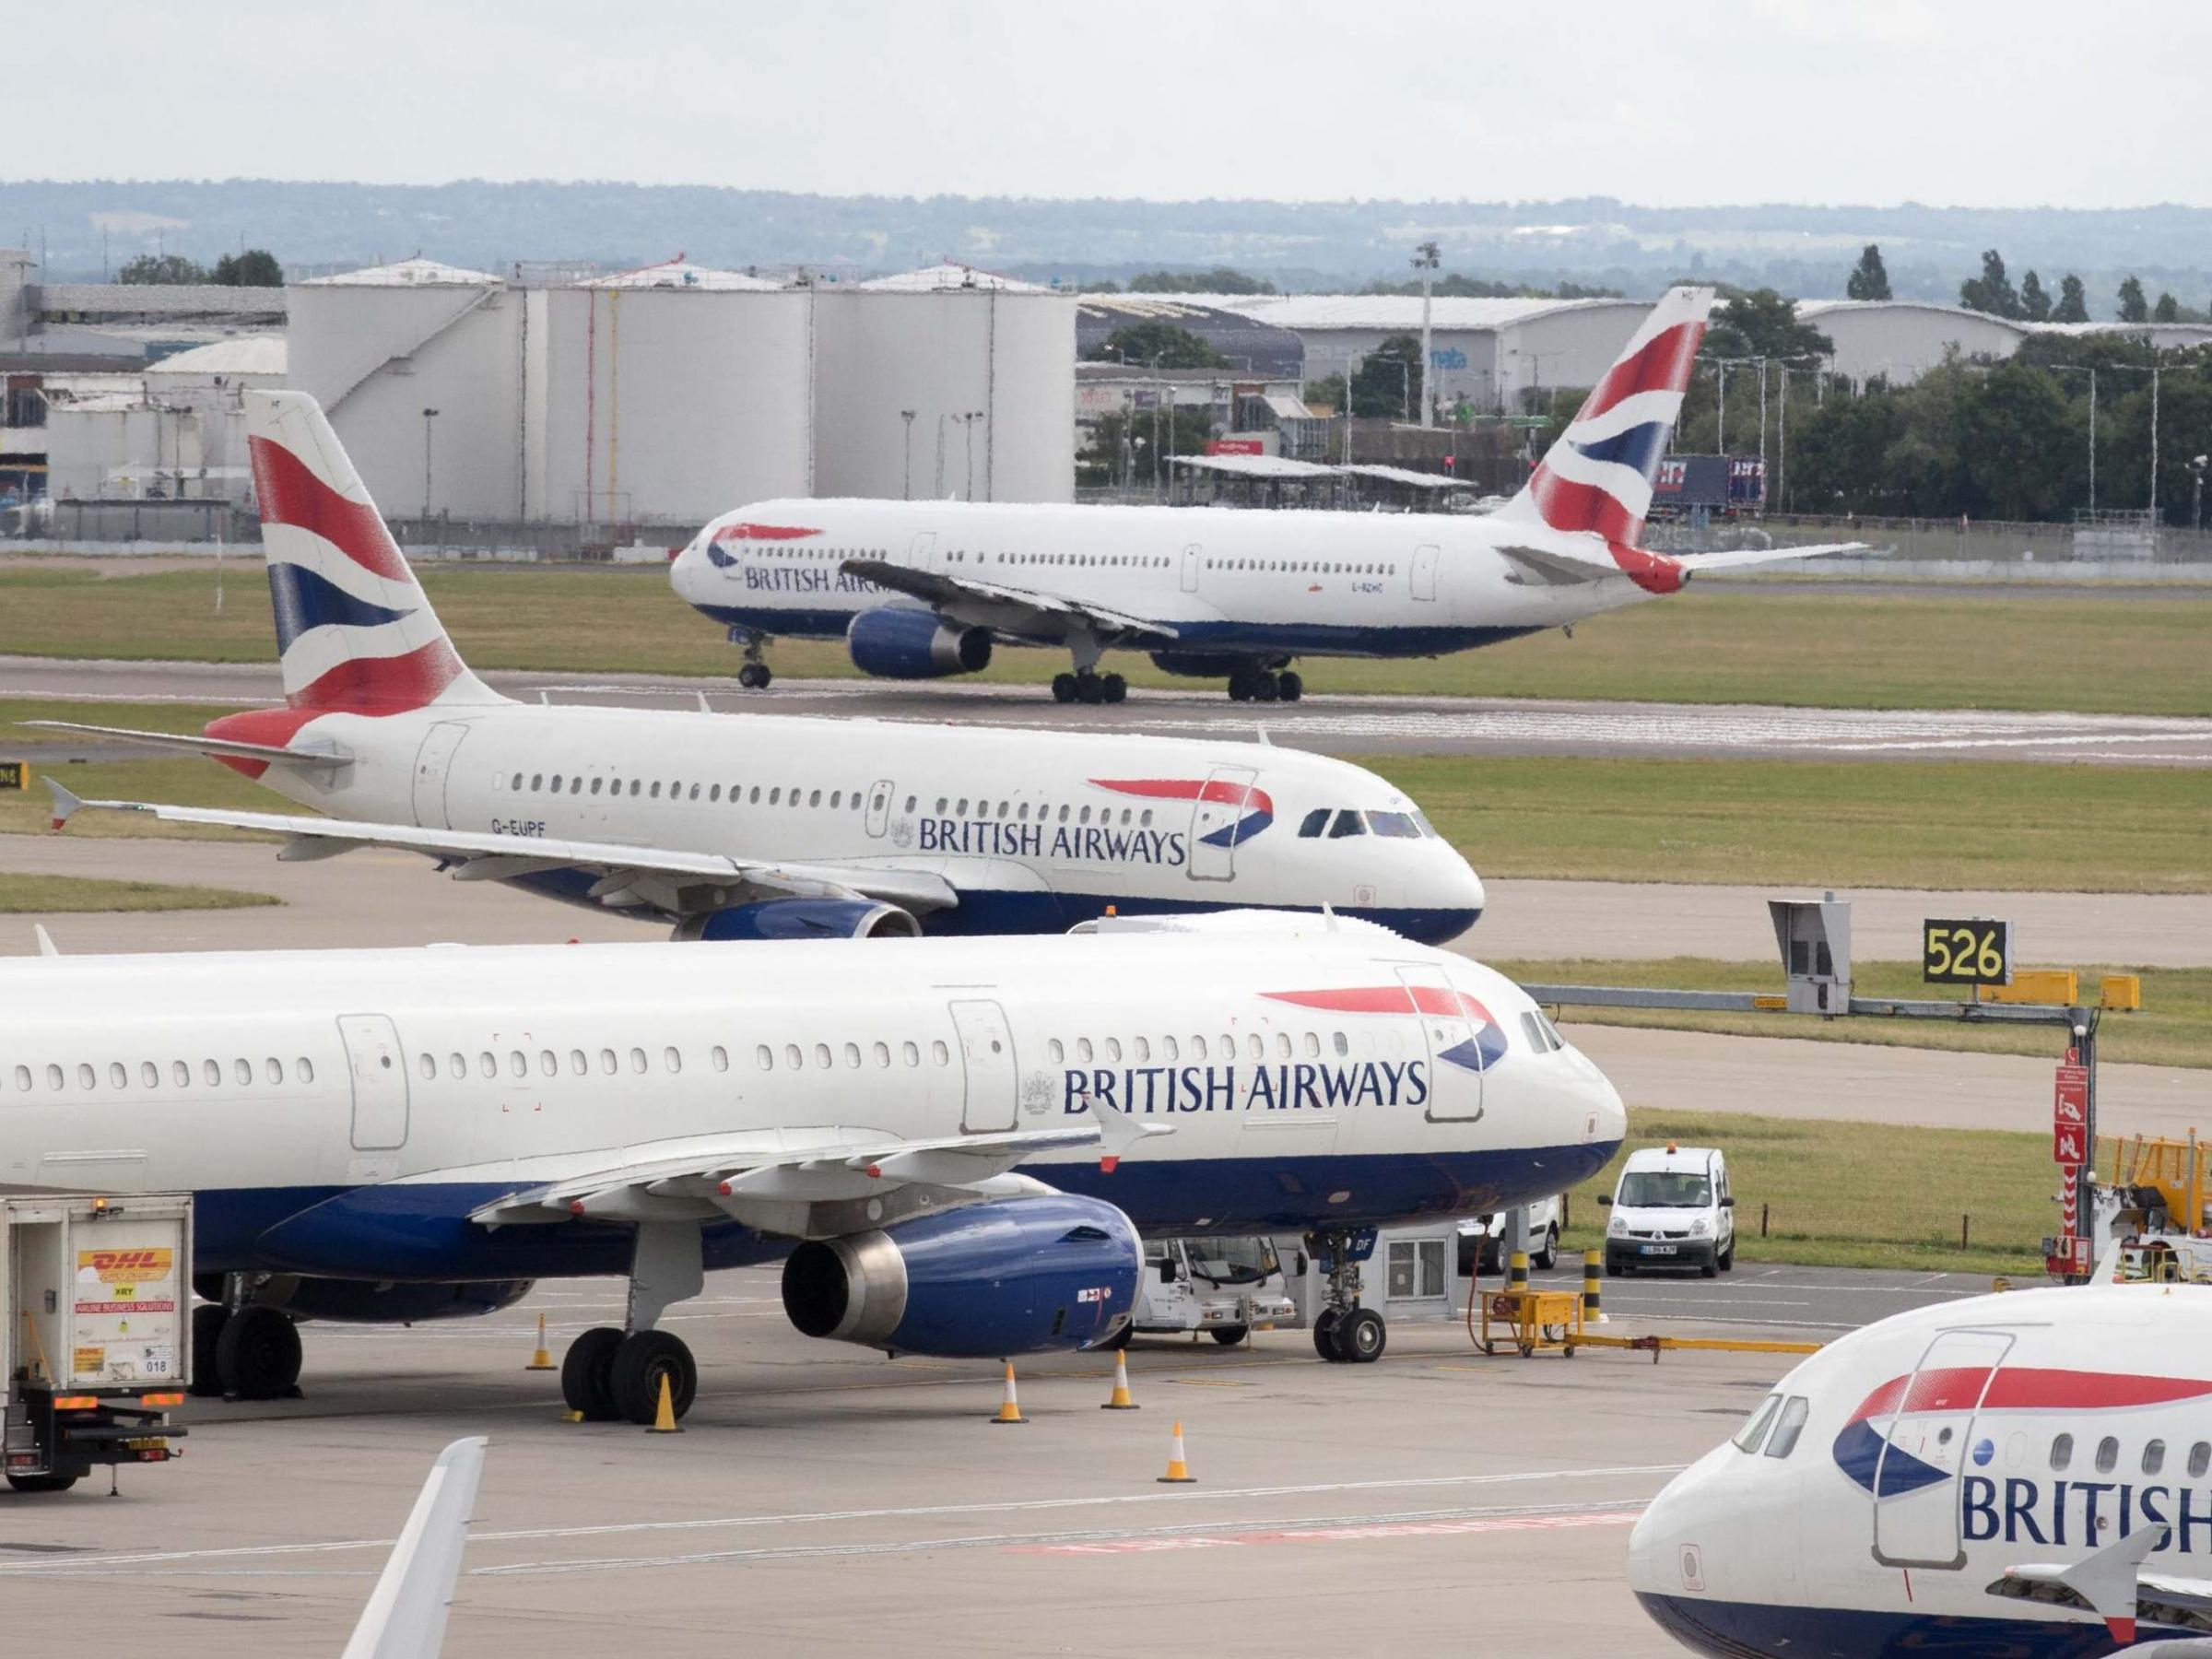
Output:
x=273 y=753
x=1738 y=559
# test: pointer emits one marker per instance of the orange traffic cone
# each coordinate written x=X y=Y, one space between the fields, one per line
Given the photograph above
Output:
x=1121 y=1400
x=1009 y=1409
x=542 y=1360
x=664 y=1414
x=1179 y=1472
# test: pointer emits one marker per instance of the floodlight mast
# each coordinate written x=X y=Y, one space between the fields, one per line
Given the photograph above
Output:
x=1425 y=260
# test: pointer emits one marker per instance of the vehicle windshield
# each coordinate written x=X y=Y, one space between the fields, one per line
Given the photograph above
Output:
x=1663 y=1189
x=1226 y=1261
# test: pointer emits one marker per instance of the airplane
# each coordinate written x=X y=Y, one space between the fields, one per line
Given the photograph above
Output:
x=953 y=1146
x=2023 y=1475
x=746 y=825
x=919 y=590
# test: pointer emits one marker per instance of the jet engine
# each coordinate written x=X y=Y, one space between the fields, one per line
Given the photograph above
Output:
x=908 y=644
x=802 y=919
x=1009 y=1275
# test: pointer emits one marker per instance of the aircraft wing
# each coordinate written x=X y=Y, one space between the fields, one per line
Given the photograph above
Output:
x=2112 y=1584
x=405 y=1614
x=329 y=759
x=1013 y=610
x=675 y=882
x=809 y=1183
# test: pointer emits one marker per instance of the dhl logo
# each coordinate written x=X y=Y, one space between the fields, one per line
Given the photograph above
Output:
x=125 y=1266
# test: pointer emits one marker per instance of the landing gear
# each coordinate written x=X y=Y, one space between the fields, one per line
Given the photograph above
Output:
x=207 y=1324
x=612 y=1375
x=1291 y=685
x=257 y=1355
x=756 y=674
x=645 y=1360
x=1088 y=686
x=587 y=1384
x=1344 y=1332
x=1264 y=684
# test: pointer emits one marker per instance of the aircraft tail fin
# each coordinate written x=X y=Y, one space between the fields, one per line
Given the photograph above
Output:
x=355 y=631
x=1598 y=476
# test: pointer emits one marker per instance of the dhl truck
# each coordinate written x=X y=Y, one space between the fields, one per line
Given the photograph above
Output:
x=95 y=1338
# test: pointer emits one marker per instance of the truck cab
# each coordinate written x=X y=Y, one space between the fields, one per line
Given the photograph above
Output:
x=1672 y=1209
x=1220 y=1284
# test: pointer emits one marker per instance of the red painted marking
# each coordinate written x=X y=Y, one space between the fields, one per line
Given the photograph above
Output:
x=1107 y=1166
x=575 y=1207
x=1350 y=1532
x=762 y=532
x=1660 y=364
x=1388 y=999
x=2123 y=1629
x=1219 y=789
x=384 y=685
x=289 y=494
x=875 y=1172
x=2026 y=1388
x=276 y=727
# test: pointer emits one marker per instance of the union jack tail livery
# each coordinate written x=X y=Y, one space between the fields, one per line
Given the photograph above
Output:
x=1598 y=476
x=355 y=630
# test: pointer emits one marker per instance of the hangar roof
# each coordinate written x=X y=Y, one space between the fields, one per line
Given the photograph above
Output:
x=404 y=273
x=246 y=354
x=679 y=273
x=1394 y=314
x=948 y=278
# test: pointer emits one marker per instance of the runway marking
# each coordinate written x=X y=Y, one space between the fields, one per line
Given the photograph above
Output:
x=817 y=1517
x=1348 y=1531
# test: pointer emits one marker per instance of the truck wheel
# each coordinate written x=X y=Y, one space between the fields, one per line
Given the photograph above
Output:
x=208 y=1324
x=42 y=1483
x=585 y=1370
x=1324 y=1333
x=641 y=1363
x=258 y=1356
x=1361 y=1336
x=1728 y=1257
x=1229 y=1336
x=1709 y=1269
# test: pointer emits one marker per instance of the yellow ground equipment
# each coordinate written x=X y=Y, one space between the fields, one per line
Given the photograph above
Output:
x=2163 y=1175
x=1526 y=1318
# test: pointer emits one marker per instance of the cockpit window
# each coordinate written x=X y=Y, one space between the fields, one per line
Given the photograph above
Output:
x=1789 y=1426
x=1422 y=818
x=1397 y=825
x=1313 y=823
x=1663 y=1189
x=1748 y=1438
x=1348 y=823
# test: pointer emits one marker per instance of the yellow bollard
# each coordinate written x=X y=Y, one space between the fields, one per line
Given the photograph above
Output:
x=1178 y=1471
x=1516 y=1274
x=1120 y=1401
x=1593 y=1266
x=1009 y=1408
x=664 y=1414
x=543 y=1359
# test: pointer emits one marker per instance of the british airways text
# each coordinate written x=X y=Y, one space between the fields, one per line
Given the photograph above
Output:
x=1098 y=843
x=1289 y=1087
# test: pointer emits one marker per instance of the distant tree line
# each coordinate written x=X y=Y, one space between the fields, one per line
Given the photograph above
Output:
x=252 y=268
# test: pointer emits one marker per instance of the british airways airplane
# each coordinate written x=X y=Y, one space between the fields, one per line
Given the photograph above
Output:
x=753 y=826
x=919 y=590
x=2018 y=1476
x=954 y=1144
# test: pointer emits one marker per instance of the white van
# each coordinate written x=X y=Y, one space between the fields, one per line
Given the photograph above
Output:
x=1672 y=1209
x=1223 y=1285
x=1482 y=1238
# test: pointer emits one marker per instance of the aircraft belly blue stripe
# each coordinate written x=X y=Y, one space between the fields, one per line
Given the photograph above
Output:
x=1257 y=639
x=421 y=1232
x=1741 y=1630
x=304 y=600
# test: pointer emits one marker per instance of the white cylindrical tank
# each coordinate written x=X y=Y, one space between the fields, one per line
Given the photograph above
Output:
x=668 y=403
x=378 y=347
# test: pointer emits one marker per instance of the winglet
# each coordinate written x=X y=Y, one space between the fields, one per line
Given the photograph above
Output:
x=405 y=1614
x=1118 y=1132
x=65 y=805
x=46 y=944
x=2106 y=1580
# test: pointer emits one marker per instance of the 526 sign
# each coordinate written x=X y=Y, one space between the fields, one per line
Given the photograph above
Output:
x=1966 y=953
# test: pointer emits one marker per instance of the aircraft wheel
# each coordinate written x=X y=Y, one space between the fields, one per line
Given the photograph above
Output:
x=753 y=676
x=1064 y=687
x=258 y=1356
x=207 y=1323
x=1265 y=688
x=1291 y=685
x=1089 y=688
x=1324 y=1333
x=1361 y=1336
x=642 y=1360
x=586 y=1370
x=1116 y=687
x=1229 y=1336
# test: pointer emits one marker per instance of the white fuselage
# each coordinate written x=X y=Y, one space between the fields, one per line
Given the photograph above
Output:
x=1036 y=830
x=344 y=1112
x=2035 y=1428
x=1285 y=583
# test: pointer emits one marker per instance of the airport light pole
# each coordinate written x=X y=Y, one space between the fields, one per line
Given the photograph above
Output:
x=2196 y=500
x=428 y=416
x=906 y=482
x=1425 y=261
x=967 y=422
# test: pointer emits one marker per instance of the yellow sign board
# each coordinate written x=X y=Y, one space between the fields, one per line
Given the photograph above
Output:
x=15 y=775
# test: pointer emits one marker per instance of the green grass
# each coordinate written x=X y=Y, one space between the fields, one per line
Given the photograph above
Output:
x=2174 y=1027
x=43 y=895
x=1937 y=825
x=1859 y=1195
x=2135 y=654
x=181 y=781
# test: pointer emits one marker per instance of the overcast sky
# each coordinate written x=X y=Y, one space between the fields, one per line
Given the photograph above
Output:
x=2093 y=103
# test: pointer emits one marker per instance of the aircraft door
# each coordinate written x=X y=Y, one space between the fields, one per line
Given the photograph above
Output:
x=880 y=806
x=380 y=1081
x=1449 y=1035
x=1923 y=1450
x=433 y=760
x=1424 y=571
x=1219 y=819
x=922 y=553
x=1191 y=555
x=991 y=1093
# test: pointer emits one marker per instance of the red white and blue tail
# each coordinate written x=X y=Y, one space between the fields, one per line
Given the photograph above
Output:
x=355 y=630
x=1598 y=476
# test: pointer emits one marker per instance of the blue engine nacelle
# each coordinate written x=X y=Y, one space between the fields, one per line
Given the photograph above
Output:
x=802 y=919
x=1009 y=1275
x=371 y=1301
x=911 y=644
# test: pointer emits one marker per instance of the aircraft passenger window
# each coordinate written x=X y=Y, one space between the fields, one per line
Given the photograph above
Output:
x=1256 y=1046
x=2154 y=1456
x=1114 y=1051
x=939 y=1053
x=1337 y=1040
x=244 y=1071
x=673 y=1059
x=595 y=783
x=1166 y=1048
x=580 y=1063
x=607 y=1061
x=537 y=781
x=1310 y=826
x=1282 y=1045
x=909 y=803
x=486 y=1064
x=2200 y=1459
x=1023 y=814
x=637 y=1061
x=720 y=1056
x=517 y=784
x=1197 y=1048
x=792 y=1057
x=1144 y=819
x=815 y=799
x=213 y=1071
x=775 y=796
x=1083 y=1050
x=117 y=1077
x=1312 y=1045
x=940 y=805
x=961 y=810
x=835 y=797
x=1055 y=1052
x=634 y=789
x=1064 y=811
x=549 y=1062
x=882 y=1051
x=755 y=796
x=428 y=1065
x=53 y=1076
x=2107 y=1455
x=1749 y=1437
x=86 y=1076
x=654 y=792
x=1083 y=817
x=518 y=1062
x=1789 y=1426
x=148 y=1073
x=764 y=1057
x=821 y=1054
x=1398 y=826
x=576 y=784
x=1348 y=824
x=910 y=1054
x=853 y=1055
x=2062 y=1452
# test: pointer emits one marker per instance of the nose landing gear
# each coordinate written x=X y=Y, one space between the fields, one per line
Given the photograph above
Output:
x=1344 y=1332
x=756 y=674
